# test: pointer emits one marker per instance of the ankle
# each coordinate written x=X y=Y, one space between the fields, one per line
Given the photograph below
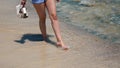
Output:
x=60 y=43
x=44 y=38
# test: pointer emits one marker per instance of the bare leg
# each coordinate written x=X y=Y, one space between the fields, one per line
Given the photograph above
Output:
x=40 y=9
x=51 y=6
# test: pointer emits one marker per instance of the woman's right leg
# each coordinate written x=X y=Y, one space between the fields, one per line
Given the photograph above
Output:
x=51 y=7
x=40 y=9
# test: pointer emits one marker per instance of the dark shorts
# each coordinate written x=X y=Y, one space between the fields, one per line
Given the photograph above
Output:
x=38 y=1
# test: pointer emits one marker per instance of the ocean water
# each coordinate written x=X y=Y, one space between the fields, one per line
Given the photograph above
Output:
x=98 y=17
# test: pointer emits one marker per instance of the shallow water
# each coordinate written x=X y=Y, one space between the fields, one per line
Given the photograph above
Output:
x=102 y=19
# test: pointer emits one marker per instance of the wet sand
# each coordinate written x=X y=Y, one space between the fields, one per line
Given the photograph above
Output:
x=21 y=44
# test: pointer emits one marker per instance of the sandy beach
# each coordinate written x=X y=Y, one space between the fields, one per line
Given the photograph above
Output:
x=21 y=44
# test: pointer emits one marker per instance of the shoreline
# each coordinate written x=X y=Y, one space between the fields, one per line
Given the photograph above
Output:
x=101 y=20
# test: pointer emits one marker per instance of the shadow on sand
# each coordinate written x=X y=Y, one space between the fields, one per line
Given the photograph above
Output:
x=34 y=38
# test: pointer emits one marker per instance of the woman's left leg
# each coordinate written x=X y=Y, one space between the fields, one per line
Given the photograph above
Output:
x=40 y=9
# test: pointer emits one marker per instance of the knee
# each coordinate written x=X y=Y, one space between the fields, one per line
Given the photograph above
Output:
x=43 y=18
x=54 y=16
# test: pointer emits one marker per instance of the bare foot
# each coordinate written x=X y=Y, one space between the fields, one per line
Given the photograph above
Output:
x=62 y=46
